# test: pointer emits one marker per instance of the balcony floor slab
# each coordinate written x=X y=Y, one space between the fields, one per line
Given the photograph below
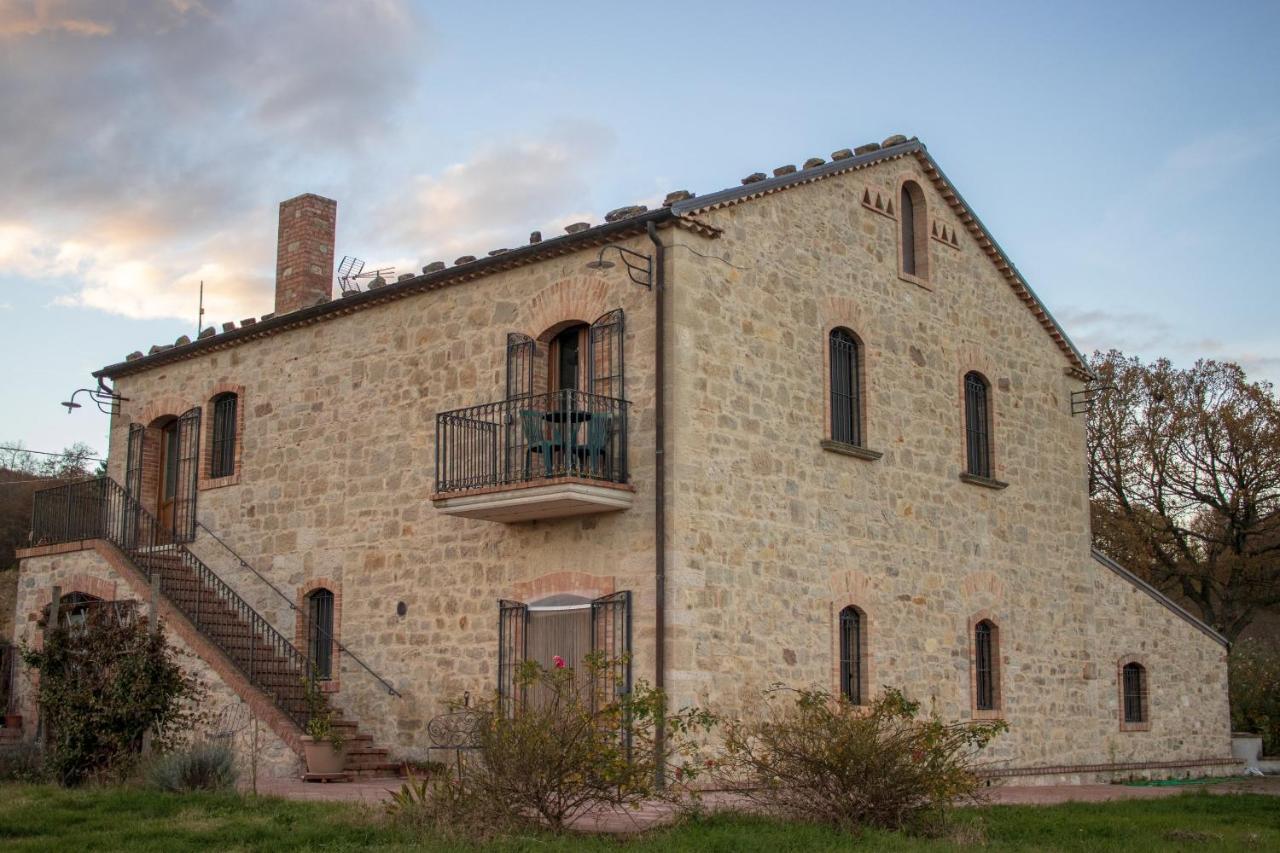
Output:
x=538 y=500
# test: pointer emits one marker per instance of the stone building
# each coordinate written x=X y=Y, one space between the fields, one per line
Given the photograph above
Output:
x=872 y=472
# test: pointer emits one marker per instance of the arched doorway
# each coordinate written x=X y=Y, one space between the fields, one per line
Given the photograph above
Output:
x=161 y=475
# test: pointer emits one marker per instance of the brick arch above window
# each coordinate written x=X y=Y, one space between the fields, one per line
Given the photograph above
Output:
x=563 y=583
x=207 y=480
x=578 y=297
x=1144 y=697
x=162 y=406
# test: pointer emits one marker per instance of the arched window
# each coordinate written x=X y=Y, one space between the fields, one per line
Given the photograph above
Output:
x=222 y=462
x=1134 y=689
x=977 y=425
x=846 y=391
x=986 y=666
x=320 y=637
x=851 y=654
x=913 y=236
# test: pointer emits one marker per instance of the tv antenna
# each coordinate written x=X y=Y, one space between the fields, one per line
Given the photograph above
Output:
x=351 y=271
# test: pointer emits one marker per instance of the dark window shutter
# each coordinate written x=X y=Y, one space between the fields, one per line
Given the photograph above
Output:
x=521 y=351
x=320 y=633
x=604 y=358
x=513 y=621
x=846 y=403
x=222 y=462
x=977 y=425
x=907 y=216
x=184 y=505
x=851 y=655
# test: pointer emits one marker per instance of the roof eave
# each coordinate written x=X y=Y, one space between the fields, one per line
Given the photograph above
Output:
x=564 y=244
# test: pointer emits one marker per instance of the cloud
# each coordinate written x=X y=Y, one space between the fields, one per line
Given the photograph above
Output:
x=155 y=136
x=493 y=198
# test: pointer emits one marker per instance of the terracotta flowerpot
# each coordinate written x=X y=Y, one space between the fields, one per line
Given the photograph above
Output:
x=13 y=721
x=322 y=758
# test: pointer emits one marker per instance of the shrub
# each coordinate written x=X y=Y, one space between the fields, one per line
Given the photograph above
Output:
x=1255 y=692
x=568 y=748
x=824 y=760
x=103 y=686
x=22 y=762
x=203 y=767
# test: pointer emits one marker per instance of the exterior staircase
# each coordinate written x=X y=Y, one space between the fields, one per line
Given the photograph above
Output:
x=101 y=509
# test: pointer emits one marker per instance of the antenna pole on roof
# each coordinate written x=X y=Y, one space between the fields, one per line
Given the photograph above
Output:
x=200 y=315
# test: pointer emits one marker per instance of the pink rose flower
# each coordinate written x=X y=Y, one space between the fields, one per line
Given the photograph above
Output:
x=558 y=661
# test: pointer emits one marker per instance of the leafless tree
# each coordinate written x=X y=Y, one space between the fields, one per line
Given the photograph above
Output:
x=1185 y=483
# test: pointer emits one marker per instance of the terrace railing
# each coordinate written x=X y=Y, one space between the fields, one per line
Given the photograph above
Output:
x=532 y=437
x=102 y=509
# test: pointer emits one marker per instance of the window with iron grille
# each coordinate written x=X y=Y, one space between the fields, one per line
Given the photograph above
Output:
x=1134 y=677
x=320 y=632
x=851 y=654
x=846 y=403
x=985 y=665
x=223 y=461
x=977 y=425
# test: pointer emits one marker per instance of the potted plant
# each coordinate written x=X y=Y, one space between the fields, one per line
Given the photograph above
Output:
x=324 y=744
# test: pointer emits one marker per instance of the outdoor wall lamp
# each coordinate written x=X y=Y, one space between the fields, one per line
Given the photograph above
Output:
x=102 y=396
x=639 y=266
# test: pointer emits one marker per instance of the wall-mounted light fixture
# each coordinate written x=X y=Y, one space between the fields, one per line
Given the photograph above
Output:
x=103 y=397
x=639 y=266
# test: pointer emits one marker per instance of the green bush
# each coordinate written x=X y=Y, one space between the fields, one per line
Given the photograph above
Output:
x=22 y=762
x=203 y=767
x=571 y=746
x=104 y=685
x=1255 y=692
x=818 y=759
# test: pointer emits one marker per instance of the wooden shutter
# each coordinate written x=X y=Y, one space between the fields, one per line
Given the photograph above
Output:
x=521 y=352
x=513 y=618
x=604 y=355
x=184 y=504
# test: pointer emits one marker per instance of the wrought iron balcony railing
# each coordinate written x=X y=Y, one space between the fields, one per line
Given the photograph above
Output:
x=533 y=437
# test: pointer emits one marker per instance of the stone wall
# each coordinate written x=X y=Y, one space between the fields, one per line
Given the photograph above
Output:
x=337 y=468
x=774 y=535
x=89 y=571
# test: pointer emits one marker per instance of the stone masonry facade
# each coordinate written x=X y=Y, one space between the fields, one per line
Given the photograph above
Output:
x=772 y=530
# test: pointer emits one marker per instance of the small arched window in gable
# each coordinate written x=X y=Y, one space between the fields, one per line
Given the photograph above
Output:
x=1134 y=689
x=852 y=650
x=320 y=639
x=977 y=425
x=986 y=666
x=222 y=462
x=846 y=390
x=914 y=231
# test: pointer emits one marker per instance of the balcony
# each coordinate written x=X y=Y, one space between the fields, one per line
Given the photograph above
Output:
x=533 y=457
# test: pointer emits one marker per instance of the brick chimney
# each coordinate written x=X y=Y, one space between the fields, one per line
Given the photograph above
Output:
x=304 y=252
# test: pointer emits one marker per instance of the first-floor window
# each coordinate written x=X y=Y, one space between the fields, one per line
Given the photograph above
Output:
x=1134 y=676
x=223 y=460
x=320 y=632
x=851 y=654
x=985 y=662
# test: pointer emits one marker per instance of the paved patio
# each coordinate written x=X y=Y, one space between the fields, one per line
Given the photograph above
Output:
x=374 y=792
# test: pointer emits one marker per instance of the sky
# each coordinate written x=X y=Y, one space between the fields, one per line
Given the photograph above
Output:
x=1123 y=153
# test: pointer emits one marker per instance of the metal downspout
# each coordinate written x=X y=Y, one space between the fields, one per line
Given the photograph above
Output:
x=660 y=485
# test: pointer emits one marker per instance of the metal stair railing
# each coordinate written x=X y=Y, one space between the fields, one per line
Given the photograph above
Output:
x=332 y=640
x=101 y=509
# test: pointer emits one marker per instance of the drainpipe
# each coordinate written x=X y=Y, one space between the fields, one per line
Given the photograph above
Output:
x=659 y=487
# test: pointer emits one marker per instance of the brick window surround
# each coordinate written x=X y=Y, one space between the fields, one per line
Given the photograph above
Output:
x=206 y=439
x=974 y=360
x=996 y=712
x=848 y=315
x=859 y=593
x=332 y=685
x=920 y=227
x=1145 y=695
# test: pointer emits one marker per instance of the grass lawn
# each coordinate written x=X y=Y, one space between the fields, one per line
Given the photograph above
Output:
x=46 y=818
